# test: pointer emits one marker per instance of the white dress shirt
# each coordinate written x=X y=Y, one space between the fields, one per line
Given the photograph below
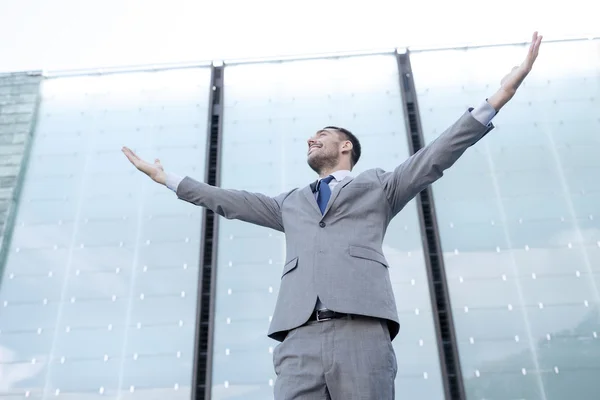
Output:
x=338 y=176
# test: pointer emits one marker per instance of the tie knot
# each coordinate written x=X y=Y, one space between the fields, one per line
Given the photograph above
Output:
x=327 y=179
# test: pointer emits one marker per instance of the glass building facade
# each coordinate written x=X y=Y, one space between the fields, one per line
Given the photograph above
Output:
x=518 y=220
x=100 y=284
x=100 y=287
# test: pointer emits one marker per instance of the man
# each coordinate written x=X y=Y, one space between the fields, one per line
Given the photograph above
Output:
x=336 y=314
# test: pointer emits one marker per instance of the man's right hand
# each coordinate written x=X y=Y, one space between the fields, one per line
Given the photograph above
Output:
x=154 y=171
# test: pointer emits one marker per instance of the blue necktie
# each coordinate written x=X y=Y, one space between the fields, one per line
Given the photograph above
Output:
x=324 y=193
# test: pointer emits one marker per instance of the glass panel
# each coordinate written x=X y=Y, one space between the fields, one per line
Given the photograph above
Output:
x=519 y=219
x=280 y=105
x=100 y=286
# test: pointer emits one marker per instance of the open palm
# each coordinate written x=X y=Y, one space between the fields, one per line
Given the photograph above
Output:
x=511 y=82
x=154 y=171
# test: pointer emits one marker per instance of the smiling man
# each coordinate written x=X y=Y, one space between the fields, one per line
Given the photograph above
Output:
x=335 y=316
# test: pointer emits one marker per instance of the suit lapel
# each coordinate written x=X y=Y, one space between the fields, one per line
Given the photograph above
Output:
x=310 y=196
x=336 y=191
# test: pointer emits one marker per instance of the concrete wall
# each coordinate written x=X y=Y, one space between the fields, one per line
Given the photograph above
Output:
x=19 y=94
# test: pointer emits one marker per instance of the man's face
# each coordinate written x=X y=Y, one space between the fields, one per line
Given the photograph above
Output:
x=324 y=149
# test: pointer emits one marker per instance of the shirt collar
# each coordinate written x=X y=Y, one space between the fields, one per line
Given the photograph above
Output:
x=341 y=174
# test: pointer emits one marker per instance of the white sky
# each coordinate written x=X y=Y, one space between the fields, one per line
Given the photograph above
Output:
x=73 y=34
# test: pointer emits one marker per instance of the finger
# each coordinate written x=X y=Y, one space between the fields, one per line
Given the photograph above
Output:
x=157 y=161
x=129 y=153
x=132 y=160
x=537 y=44
x=533 y=42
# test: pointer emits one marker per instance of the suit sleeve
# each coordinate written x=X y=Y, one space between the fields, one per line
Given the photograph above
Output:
x=254 y=208
x=428 y=164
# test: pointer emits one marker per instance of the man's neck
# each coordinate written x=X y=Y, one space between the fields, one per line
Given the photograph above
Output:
x=339 y=173
x=331 y=171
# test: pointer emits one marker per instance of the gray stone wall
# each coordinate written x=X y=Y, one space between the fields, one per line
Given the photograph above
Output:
x=19 y=94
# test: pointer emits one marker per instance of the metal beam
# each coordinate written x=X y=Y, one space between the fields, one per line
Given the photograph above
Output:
x=326 y=55
x=202 y=376
x=434 y=259
x=469 y=46
x=69 y=73
x=317 y=56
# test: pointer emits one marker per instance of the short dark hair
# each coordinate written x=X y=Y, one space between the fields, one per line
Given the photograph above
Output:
x=353 y=139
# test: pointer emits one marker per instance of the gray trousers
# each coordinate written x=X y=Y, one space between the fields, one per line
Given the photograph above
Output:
x=339 y=359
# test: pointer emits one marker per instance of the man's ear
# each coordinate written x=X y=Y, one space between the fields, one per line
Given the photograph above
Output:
x=347 y=146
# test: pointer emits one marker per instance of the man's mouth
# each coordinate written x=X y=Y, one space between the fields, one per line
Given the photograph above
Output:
x=311 y=148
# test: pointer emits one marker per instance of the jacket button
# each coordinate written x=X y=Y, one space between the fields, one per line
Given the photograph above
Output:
x=322 y=224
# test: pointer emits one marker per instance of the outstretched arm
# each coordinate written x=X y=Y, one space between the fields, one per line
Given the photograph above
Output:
x=428 y=164
x=254 y=208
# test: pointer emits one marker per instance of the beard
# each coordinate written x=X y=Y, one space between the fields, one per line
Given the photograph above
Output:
x=321 y=159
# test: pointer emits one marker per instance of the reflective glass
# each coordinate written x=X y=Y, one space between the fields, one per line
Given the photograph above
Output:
x=100 y=285
x=270 y=111
x=519 y=219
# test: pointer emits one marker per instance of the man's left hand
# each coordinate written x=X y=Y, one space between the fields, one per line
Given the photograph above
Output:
x=511 y=82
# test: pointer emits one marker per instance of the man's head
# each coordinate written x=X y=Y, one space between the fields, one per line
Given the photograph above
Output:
x=333 y=148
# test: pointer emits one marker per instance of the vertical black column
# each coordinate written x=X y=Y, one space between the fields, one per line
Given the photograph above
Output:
x=438 y=287
x=206 y=297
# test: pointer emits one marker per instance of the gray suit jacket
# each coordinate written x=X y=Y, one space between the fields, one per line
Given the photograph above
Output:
x=338 y=256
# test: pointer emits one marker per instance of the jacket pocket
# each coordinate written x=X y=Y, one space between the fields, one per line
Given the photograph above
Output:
x=367 y=254
x=289 y=266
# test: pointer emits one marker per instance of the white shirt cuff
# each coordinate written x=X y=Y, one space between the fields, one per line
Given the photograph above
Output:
x=173 y=181
x=484 y=113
